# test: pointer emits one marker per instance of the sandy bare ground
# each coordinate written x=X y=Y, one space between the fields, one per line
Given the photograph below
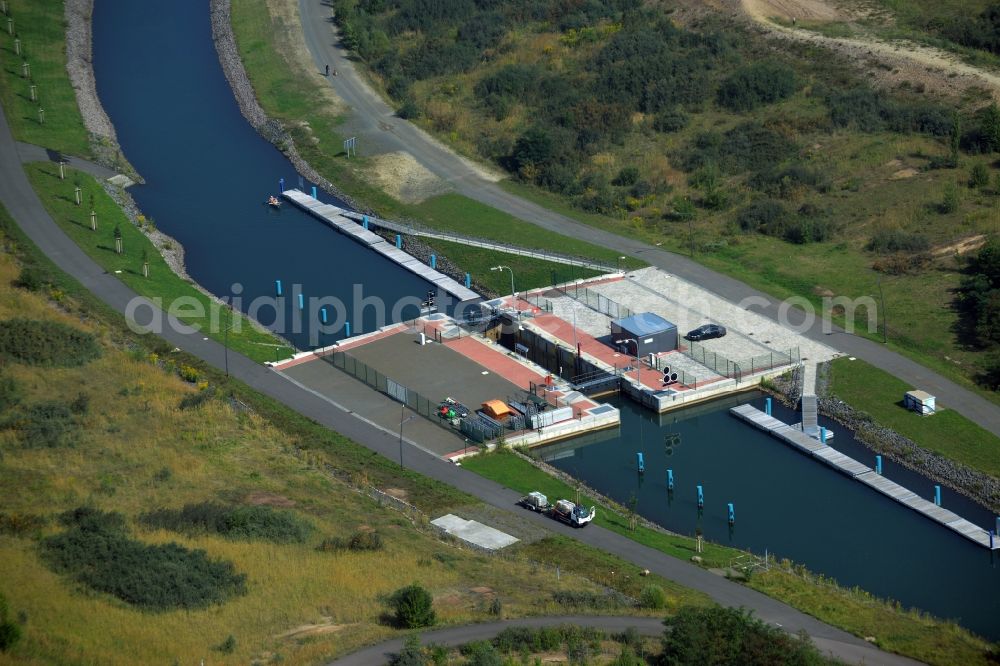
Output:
x=937 y=70
x=961 y=247
x=403 y=178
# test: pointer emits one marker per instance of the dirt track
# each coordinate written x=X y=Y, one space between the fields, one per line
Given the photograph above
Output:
x=938 y=71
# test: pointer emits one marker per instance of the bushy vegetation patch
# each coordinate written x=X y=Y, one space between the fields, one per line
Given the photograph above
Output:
x=46 y=343
x=897 y=240
x=593 y=600
x=748 y=145
x=10 y=631
x=773 y=218
x=360 y=541
x=413 y=607
x=239 y=523
x=49 y=424
x=96 y=551
x=755 y=85
x=729 y=636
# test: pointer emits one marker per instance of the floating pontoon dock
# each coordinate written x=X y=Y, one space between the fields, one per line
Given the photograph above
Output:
x=865 y=475
x=334 y=217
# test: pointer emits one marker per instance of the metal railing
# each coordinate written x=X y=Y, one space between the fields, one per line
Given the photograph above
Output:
x=595 y=301
x=725 y=367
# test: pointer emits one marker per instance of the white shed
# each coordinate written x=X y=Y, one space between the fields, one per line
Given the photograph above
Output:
x=921 y=402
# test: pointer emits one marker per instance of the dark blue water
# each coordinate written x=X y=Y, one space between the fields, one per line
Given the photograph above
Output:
x=208 y=172
x=795 y=507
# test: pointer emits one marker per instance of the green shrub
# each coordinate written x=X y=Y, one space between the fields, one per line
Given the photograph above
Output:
x=653 y=596
x=197 y=399
x=594 y=600
x=50 y=424
x=10 y=393
x=755 y=85
x=239 y=523
x=761 y=215
x=46 y=343
x=897 y=240
x=413 y=607
x=96 y=551
x=979 y=176
x=10 y=631
x=360 y=541
x=717 y=635
x=746 y=146
x=227 y=646
x=670 y=120
x=17 y=524
x=32 y=278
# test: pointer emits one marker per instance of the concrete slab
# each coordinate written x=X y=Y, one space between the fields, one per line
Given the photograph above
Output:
x=474 y=532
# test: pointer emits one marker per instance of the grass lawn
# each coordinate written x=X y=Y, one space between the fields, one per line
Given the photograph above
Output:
x=39 y=25
x=162 y=283
x=948 y=433
x=134 y=450
x=909 y=633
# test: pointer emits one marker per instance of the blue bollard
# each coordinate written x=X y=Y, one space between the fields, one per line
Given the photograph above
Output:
x=281 y=184
x=732 y=514
x=701 y=498
x=878 y=465
x=670 y=479
x=767 y=406
x=314 y=192
x=277 y=286
x=468 y=280
x=347 y=329
x=399 y=241
x=822 y=435
x=302 y=301
x=991 y=539
x=937 y=495
x=434 y=261
x=640 y=463
x=322 y=314
x=364 y=221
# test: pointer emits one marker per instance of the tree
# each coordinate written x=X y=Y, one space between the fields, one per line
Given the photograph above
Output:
x=412 y=653
x=413 y=606
x=991 y=128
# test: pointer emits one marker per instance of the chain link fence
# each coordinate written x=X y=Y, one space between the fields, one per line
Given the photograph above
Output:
x=721 y=365
x=595 y=301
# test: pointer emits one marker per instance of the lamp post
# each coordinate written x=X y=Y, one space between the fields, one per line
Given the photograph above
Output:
x=513 y=294
x=881 y=296
x=625 y=342
x=402 y=413
x=225 y=340
x=620 y=260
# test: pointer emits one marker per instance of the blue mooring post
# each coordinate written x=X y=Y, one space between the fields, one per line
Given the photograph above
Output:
x=937 y=495
x=822 y=435
x=364 y=221
x=399 y=241
x=347 y=329
x=468 y=280
x=670 y=480
x=991 y=539
x=277 y=287
x=767 y=406
x=701 y=498
x=732 y=514
x=434 y=261
x=314 y=192
x=302 y=302
x=640 y=463
x=281 y=184
x=322 y=314
x=878 y=465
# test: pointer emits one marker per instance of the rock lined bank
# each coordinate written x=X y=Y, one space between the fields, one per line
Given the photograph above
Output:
x=972 y=483
x=269 y=128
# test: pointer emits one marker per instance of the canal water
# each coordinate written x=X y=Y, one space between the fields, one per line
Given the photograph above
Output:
x=792 y=506
x=208 y=173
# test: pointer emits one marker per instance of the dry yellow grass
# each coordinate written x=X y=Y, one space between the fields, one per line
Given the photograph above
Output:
x=133 y=431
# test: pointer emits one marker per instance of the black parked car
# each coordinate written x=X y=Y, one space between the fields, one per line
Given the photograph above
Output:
x=706 y=332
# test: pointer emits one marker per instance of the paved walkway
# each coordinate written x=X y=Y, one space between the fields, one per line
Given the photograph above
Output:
x=27 y=210
x=379 y=130
x=29 y=152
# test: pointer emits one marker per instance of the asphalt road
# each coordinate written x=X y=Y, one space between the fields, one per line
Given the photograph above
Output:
x=379 y=130
x=29 y=213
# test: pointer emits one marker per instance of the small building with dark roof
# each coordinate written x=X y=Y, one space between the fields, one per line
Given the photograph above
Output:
x=653 y=334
